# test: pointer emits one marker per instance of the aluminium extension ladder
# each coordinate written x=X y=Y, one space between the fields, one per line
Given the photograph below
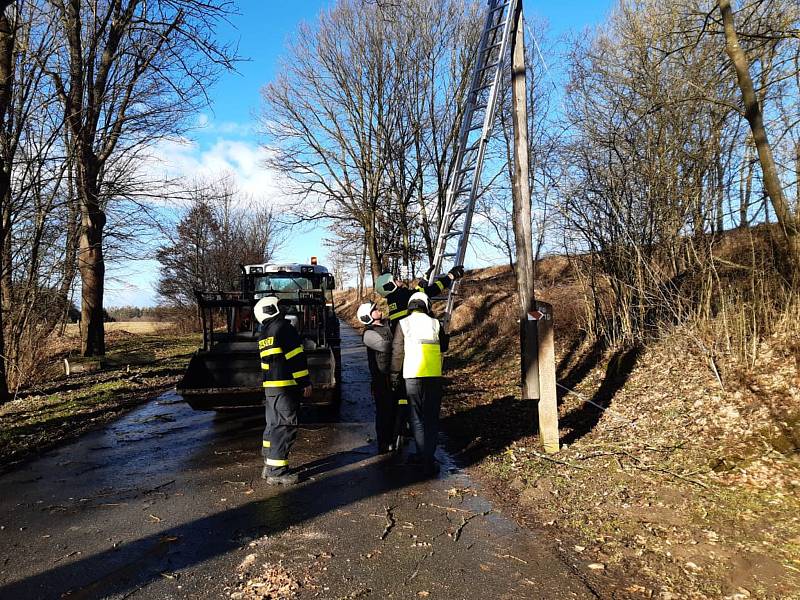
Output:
x=476 y=127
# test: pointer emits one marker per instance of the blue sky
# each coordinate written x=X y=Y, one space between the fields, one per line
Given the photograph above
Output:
x=225 y=140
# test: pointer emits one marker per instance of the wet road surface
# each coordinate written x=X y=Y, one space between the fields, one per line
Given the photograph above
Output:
x=167 y=502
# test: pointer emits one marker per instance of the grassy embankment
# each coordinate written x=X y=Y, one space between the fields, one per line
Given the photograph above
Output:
x=143 y=360
x=666 y=481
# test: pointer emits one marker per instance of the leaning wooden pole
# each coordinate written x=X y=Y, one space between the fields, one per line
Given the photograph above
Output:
x=536 y=318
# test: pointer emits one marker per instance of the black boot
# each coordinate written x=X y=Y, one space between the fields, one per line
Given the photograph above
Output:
x=430 y=469
x=287 y=478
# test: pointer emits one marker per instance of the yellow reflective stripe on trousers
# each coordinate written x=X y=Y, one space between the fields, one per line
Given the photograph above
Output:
x=271 y=351
x=266 y=443
x=282 y=383
x=398 y=314
x=294 y=352
x=402 y=401
x=299 y=374
x=440 y=285
x=277 y=462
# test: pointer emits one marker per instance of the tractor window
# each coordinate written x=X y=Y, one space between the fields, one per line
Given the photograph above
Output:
x=283 y=286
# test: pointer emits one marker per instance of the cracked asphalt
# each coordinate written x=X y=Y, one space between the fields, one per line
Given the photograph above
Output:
x=167 y=502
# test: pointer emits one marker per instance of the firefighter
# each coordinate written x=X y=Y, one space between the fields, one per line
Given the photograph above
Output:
x=377 y=338
x=397 y=295
x=286 y=379
x=417 y=348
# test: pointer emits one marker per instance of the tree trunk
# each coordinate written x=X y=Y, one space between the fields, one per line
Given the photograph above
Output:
x=772 y=184
x=92 y=268
x=362 y=270
x=90 y=259
x=6 y=81
x=6 y=282
x=745 y=187
x=370 y=239
x=797 y=176
x=698 y=208
x=719 y=191
x=425 y=226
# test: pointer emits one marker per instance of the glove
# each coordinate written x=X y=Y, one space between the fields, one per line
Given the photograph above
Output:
x=456 y=272
x=444 y=341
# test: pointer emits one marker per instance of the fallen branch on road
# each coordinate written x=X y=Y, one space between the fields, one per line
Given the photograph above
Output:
x=555 y=460
x=464 y=521
x=158 y=487
x=389 y=522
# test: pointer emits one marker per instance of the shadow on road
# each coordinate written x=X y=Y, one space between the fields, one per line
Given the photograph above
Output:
x=134 y=564
x=330 y=483
x=477 y=432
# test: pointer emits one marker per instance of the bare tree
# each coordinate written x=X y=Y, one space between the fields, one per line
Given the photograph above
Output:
x=128 y=73
x=361 y=120
x=218 y=231
x=7 y=37
x=788 y=218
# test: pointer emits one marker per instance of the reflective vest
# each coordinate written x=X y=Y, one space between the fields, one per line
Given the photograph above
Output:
x=421 y=349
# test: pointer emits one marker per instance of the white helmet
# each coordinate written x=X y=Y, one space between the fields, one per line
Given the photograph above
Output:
x=385 y=284
x=266 y=308
x=364 y=313
x=419 y=300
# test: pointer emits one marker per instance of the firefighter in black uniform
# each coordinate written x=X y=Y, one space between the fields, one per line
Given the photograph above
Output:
x=286 y=379
x=377 y=338
x=397 y=294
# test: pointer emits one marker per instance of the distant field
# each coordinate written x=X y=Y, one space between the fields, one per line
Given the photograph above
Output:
x=73 y=330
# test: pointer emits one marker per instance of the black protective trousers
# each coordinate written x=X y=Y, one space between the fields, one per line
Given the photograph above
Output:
x=425 y=400
x=401 y=419
x=384 y=411
x=281 y=407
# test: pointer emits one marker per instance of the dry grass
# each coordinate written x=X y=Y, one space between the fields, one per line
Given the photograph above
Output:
x=58 y=408
x=137 y=327
x=664 y=473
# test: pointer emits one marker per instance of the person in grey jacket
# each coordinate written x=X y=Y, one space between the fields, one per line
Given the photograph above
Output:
x=378 y=340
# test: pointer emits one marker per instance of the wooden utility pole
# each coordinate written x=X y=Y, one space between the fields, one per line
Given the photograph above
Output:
x=536 y=318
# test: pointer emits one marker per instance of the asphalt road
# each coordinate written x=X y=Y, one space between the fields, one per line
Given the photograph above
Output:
x=168 y=503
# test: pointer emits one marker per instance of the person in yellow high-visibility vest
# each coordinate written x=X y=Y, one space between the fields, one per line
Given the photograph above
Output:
x=286 y=379
x=417 y=356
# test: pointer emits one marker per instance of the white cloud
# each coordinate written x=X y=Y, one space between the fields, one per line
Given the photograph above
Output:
x=244 y=161
x=205 y=125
